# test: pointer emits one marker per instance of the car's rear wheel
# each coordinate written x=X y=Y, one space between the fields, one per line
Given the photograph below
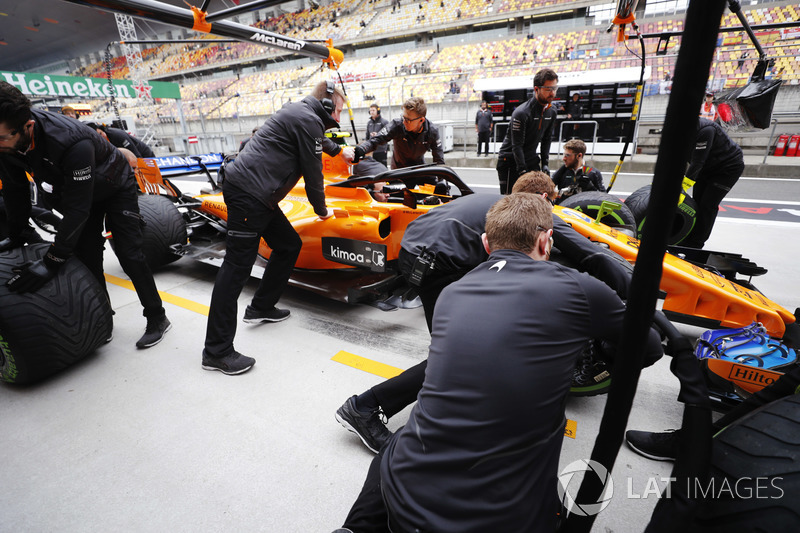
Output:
x=682 y=222
x=165 y=228
x=755 y=473
x=590 y=203
x=50 y=329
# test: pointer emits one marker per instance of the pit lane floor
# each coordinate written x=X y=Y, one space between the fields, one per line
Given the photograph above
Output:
x=145 y=440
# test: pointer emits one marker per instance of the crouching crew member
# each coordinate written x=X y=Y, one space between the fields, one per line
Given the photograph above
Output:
x=574 y=175
x=88 y=181
x=489 y=421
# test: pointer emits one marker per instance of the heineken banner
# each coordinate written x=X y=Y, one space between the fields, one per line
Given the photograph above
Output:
x=69 y=86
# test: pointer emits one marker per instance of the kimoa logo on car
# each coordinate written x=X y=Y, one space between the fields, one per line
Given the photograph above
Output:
x=338 y=253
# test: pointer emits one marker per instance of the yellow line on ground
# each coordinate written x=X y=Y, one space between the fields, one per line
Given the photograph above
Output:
x=367 y=365
x=387 y=371
x=165 y=296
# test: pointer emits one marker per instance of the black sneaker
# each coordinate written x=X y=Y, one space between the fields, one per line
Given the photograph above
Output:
x=366 y=424
x=231 y=365
x=591 y=376
x=154 y=332
x=656 y=446
x=254 y=316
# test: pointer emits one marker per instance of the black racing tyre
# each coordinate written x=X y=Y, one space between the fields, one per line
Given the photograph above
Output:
x=50 y=329
x=164 y=227
x=589 y=204
x=682 y=223
x=755 y=473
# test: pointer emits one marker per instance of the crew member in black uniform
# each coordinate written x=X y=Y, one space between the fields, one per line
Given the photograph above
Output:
x=451 y=235
x=287 y=147
x=88 y=181
x=121 y=139
x=531 y=126
x=483 y=126
x=716 y=165
x=574 y=175
x=375 y=125
x=489 y=421
x=413 y=135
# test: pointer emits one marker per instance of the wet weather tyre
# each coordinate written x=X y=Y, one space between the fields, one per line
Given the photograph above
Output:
x=682 y=223
x=758 y=455
x=50 y=329
x=164 y=228
x=589 y=203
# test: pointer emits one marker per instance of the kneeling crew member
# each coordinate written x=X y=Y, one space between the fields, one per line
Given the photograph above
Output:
x=574 y=173
x=489 y=421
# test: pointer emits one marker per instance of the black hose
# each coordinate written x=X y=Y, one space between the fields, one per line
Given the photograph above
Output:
x=691 y=75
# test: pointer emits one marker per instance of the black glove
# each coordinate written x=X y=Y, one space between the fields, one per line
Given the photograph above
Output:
x=9 y=244
x=546 y=169
x=360 y=154
x=31 y=276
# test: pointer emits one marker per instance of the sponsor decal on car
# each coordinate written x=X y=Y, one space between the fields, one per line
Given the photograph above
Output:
x=357 y=253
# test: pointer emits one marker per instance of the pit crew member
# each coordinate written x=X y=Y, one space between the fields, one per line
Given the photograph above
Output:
x=715 y=166
x=531 y=126
x=287 y=147
x=575 y=175
x=489 y=421
x=448 y=238
x=89 y=182
x=375 y=125
x=121 y=139
x=413 y=136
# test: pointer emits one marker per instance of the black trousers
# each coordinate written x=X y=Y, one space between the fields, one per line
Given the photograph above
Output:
x=396 y=393
x=483 y=139
x=508 y=174
x=120 y=212
x=248 y=221
x=709 y=190
x=368 y=513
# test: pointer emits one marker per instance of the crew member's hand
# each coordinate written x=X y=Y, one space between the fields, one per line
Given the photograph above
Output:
x=359 y=154
x=328 y=215
x=9 y=244
x=32 y=275
x=546 y=169
x=348 y=154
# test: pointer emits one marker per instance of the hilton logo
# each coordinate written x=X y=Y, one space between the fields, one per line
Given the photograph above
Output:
x=750 y=375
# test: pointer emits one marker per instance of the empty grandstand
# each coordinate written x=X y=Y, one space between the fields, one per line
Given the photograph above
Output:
x=435 y=49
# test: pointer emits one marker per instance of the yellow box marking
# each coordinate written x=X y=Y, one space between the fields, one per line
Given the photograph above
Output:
x=367 y=365
x=165 y=296
x=572 y=429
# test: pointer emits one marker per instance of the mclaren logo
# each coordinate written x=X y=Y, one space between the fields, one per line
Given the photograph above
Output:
x=499 y=265
x=275 y=41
